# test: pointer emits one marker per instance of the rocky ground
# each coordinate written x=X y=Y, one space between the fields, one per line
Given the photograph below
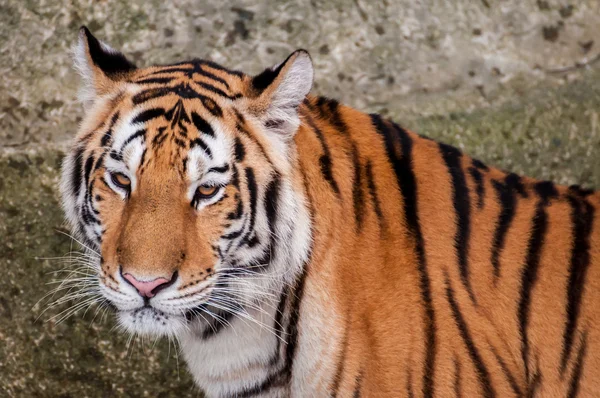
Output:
x=514 y=83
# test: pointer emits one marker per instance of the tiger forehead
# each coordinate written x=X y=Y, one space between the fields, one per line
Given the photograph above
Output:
x=178 y=131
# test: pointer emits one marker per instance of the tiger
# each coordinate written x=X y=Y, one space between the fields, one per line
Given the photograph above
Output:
x=297 y=247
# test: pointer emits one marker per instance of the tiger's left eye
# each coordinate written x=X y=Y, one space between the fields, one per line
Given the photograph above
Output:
x=120 y=180
x=206 y=191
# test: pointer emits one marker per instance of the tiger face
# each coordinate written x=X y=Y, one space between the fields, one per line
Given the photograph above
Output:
x=182 y=184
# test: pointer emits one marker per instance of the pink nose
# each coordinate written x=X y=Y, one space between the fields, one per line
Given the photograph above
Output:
x=148 y=289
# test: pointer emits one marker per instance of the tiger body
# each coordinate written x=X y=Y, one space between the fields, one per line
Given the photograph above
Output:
x=345 y=256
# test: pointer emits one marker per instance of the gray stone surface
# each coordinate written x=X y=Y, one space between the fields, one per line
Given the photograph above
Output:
x=512 y=82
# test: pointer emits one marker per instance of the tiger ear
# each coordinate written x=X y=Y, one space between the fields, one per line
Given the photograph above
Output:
x=100 y=66
x=278 y=92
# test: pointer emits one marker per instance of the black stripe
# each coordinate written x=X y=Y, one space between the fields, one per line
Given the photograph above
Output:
x=292 y=329
x=582 y=217
x=240 y=127
x=357 y=385
x=199 y=70
x=457 y=378
x=578 y=369
x=239 y=209
x=155 y=80
x=202 y=125
x=152 y=93
x=506 y=197
x=409 y=383
x=147 y=115
x=479 y=185
x=482 y=374
x=530 y=272
x=214 y=90
x=278 y=324
x=579 y=191
x=339 y=372
x=217 y=324
x=220 y=169
x=374 y=196
x=253 y=194
x=220 y=68
x=358 y=196
x=137 y=134
x=462 y=208
x=108 y=135
x=89 y=162
x=331 y=112
x=200 y=142
x=176 y=115
x=272 y=203
x=509 y=376
x=100 y=161
x=480 y=165
x=325 y=159
x=240 y=151
x=408 y=189
x=77 y=169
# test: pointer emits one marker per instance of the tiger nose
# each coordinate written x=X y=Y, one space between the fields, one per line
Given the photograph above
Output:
x=149 y=288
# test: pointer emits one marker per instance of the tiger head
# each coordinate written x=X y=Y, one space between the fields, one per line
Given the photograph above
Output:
x=182 y=184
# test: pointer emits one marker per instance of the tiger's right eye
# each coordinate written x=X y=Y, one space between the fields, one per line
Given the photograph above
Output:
x=120 y=180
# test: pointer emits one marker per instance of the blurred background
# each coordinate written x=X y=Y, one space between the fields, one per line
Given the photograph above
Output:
x=515 y=83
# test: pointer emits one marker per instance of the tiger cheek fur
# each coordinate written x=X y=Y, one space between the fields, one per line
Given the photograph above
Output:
x=298 y=247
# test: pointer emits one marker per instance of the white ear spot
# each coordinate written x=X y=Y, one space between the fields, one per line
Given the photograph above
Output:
x=281 y=115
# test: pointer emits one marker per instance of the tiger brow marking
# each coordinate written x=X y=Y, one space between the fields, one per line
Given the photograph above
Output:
x=482 y=372
x=405 y=177
x=545 y=191
x=462 y=208
x=219 y=169
x=582 y=216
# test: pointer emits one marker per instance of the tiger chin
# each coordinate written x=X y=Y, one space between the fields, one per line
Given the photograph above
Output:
x=298 y=247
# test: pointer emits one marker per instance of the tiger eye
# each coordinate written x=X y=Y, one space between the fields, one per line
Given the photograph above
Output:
x=207 y=191
x=121 y=180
